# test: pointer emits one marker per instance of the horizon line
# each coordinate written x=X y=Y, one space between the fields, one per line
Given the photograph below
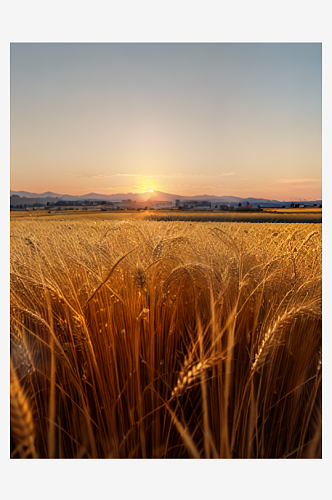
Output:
x=297 y=198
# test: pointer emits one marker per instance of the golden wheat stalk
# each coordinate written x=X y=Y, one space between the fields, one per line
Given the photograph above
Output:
x=21 y=419
x=104 y=281
x=20 y=348
x=190 y=373
x=273 y=337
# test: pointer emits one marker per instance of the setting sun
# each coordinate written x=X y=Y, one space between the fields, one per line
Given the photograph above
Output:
x=150 y=190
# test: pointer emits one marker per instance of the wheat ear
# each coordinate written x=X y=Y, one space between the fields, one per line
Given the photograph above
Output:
x=21 y=419
x=274 y=335
x=190 y=373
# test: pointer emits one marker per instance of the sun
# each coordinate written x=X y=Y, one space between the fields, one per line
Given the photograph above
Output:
x=150 y=190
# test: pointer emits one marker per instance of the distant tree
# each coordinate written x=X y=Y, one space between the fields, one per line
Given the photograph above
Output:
x=292 y=205
x=247 y=203
x=240 y=205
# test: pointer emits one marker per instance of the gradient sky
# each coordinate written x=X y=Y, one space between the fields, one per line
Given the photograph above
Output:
x=224 y=119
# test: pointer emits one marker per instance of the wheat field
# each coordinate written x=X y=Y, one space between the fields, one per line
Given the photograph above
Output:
x=155 y=339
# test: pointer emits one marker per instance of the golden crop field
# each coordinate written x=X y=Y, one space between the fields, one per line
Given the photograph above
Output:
x=155 y=339
x=289 y=215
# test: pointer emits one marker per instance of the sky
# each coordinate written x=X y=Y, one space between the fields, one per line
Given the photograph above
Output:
x=238 y=119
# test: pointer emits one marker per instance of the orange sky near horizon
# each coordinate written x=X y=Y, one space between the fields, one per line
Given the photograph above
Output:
x=188 y=119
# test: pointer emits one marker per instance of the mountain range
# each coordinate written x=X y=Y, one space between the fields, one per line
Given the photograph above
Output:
x=156 y=195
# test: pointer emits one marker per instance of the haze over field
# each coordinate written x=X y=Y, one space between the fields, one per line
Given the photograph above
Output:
x=240 y=120
x=149 y=195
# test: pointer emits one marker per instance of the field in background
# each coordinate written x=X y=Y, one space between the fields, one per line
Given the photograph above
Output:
x=312 y=215
x=136 y=338
x=307 y=210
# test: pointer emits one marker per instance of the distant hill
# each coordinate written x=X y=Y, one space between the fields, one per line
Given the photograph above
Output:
x=26 y=194
x=156 y=195
x=24 y=200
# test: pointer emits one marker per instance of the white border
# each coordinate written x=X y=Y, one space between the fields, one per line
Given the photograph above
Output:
x=151 y=21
